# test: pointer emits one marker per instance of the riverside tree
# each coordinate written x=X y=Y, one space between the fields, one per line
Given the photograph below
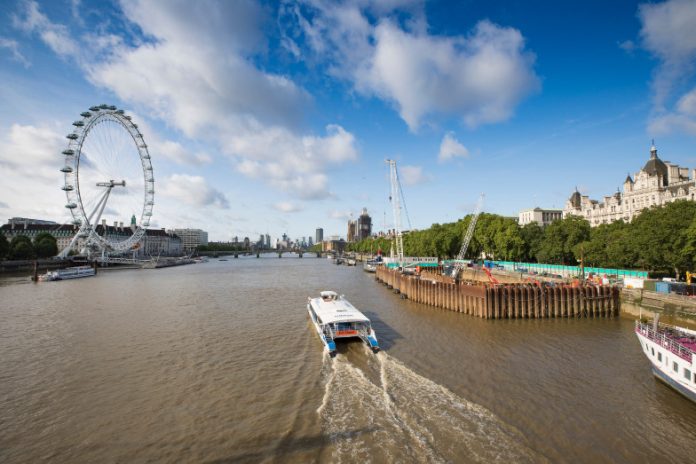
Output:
x=21 y=248
x=4 y=246
x=661 y=239
x=45 y=245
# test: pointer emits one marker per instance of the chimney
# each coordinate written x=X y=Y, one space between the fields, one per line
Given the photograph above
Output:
x=115 y=224
x=120 y=225
x=104 y=223
x=26 y=223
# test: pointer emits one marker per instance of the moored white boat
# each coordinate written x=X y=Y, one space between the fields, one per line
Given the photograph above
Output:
x=672 y=353
x=334 y=317
x=68 y=273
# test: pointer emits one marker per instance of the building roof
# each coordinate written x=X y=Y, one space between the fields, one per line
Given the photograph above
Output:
x=575 y=199
x=628 y=179
x=655 y=165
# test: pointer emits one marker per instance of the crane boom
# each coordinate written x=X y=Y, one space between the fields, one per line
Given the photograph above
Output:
x=467 y=238
x=395 y=197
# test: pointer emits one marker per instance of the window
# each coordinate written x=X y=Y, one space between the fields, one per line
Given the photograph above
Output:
x=687 y=374
x=659 y=356
x=675 y=366
x=653 y=351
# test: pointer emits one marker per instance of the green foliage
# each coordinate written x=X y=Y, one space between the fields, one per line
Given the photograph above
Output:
x=45 y=245
x=532 y=235
x=21 y=248
x=4 y=246
x=561 y=239
x=661 y=240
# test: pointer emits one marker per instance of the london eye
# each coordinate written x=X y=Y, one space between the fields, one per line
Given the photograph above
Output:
x=108 y=177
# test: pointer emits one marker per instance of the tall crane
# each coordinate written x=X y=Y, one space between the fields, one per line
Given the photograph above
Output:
x=467 y=238
x=395 y=197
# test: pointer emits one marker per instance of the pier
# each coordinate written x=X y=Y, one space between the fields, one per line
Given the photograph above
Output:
x=504 y=301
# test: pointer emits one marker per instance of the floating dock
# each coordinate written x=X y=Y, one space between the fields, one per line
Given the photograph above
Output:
x=504 y=301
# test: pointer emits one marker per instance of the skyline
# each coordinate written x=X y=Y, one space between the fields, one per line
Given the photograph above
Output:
x=265 y=118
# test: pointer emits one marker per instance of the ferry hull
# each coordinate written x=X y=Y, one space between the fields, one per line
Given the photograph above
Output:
x=334 y=318
x=675 y=385
x=669 y=361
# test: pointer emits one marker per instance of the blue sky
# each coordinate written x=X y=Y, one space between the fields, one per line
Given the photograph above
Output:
x=277 y=117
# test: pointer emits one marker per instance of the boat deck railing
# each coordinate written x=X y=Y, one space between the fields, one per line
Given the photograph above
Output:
x=666 y=337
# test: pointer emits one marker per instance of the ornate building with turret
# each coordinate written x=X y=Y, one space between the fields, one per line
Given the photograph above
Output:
x=659 y=182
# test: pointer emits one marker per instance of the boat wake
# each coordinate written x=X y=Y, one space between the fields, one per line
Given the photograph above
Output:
x=388 y=413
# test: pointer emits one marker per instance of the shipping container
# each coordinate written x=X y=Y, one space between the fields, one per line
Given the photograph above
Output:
x=649 y=285
x=662 y=287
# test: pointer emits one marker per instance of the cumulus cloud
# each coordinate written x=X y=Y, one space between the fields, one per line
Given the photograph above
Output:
x=194 y=191
x=667 y=32
x=180 y=155
x=297 y=167
x=184 y=78
x=32 y=152
x=287 y=207
x=13 y=47
x=451 y=148
x=480 y=77
x=30 y=19
x=31 y=157
x=412 y=175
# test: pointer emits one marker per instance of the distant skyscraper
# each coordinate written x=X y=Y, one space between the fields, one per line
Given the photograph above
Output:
x=319 y=236
x=268 y=241
x=352 y=230
x=364 y=225
x=310 y=242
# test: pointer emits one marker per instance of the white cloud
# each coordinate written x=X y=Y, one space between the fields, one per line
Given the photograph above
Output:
x=287 y=207
x=412 y=175
x=180 y=155
x=297 y=166
x=183 y=76
x=668 y=32
x=56 y=36
x=13 y=47
x=30 y=157
x=479 y=78
x=451 y=148
x=687 y=103
x=193 y=191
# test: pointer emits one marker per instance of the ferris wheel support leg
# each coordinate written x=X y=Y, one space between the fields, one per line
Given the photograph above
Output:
x=100 y=207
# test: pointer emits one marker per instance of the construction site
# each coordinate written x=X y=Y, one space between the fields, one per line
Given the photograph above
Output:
x=488 y=291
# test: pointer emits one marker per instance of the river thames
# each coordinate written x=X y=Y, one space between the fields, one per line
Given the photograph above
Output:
x=217 y=362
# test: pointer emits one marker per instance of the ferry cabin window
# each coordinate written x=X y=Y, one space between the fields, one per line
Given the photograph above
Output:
x=653 y=351
x=675 y=366
x=687 y=374
x=659 y=356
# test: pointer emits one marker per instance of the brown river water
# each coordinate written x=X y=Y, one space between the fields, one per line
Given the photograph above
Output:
x=217 y=362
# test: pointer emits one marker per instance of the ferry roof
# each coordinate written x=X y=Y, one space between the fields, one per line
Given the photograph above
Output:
x=330 y=307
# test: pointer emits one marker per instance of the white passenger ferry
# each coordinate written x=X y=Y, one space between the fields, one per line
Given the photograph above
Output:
x=334 y=317
x=672 y=353
x=68 y=273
